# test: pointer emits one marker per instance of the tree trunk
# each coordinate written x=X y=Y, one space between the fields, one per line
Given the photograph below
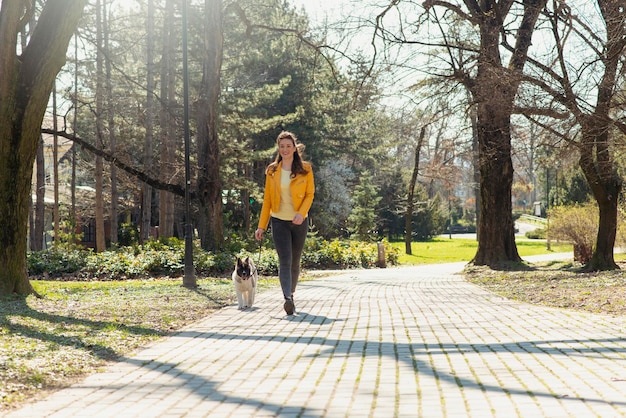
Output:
x=408 y=227
x=39 y=221
x=113 y=209
x=602 y=258
x=596 y=158
x=25 y=85
x=496 y=232
x=494 y=91
x=56 y=217
x=210 y=222
x=606 y=186
x=146 y=202
x=168 y=124
x=475 y=168
x=99 y=167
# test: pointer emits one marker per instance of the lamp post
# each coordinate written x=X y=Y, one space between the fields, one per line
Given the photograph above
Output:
x=189 y=278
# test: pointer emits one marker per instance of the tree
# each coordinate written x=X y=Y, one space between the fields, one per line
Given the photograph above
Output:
x=167 y=122
x=493 y=85
x=332 y=186
x=598 y=71
x=148 y=149
x=596 y=160
x=113 y=209
x=26 y=81
x=100 y=134
x=362 y=219
x=411 y=193
x=38 y=221
x=210 y=222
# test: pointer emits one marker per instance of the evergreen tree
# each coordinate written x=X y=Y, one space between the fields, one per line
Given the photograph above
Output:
x=362 y=219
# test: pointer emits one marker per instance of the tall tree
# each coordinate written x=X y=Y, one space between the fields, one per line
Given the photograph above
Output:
x=210 y=222
x=167 y=150
x=148 y=150
x=493 y=87
x=601 y=62
x=113 y=209
x=26 y=82
x=99 y=167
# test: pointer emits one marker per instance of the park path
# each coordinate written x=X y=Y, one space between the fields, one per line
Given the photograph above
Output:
x=395 y=342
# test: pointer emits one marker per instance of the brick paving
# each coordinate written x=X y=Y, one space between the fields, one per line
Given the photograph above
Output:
x=396 y=342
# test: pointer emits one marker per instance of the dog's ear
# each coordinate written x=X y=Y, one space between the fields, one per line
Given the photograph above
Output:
x=238 y=263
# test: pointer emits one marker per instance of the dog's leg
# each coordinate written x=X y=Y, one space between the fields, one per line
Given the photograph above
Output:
x=240 y=299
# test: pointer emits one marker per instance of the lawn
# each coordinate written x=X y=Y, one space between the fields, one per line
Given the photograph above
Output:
x=445 y=250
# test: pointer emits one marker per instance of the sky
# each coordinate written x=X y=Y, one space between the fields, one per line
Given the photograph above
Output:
x=319 y=10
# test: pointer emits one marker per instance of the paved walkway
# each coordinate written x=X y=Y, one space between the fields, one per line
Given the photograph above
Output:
x=397 y=342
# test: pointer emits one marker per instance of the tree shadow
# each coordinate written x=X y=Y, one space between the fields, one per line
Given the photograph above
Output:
x=17 y=306
x=415 y=356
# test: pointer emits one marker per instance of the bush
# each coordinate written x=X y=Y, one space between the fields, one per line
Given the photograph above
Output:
x=539 y=233
x=165 y=257
x=578 y=224
x=57 y=260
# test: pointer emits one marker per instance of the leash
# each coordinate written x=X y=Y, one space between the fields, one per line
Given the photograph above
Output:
x=259 y=259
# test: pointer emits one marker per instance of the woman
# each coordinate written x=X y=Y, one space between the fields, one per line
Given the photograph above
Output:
x=289 y=191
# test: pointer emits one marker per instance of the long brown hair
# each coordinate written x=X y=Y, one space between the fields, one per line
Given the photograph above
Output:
x=297 y=167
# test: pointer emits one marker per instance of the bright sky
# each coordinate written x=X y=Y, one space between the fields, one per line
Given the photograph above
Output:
x=319 y=10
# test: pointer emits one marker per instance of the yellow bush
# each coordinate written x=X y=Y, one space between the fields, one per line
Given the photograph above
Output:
x=579 y=225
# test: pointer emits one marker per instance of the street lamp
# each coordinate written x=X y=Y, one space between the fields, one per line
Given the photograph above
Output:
x=189 y=278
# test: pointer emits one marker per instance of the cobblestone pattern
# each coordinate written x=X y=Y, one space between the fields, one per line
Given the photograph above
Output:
x=398 y=342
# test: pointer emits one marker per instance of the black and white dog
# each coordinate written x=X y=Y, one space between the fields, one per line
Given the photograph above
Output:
x=245 y=279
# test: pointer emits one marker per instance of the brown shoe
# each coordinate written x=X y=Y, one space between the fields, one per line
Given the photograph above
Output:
x=289 y=306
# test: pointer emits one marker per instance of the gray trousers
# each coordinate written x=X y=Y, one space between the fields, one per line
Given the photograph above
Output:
x=289 y=243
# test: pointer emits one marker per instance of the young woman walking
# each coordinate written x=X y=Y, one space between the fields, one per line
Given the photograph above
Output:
x=288 y=195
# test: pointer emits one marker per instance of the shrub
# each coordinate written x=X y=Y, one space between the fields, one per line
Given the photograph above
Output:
x=165 y=257
x=57 y=260
x=539 y=233
x=579 y=225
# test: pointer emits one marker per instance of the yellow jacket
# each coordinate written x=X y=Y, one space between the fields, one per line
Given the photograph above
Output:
x=302 y=192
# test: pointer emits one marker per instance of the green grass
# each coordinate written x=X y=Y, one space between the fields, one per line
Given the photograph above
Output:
x=445 y=250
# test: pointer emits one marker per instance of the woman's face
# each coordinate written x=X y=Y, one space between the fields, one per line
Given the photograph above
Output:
x=286 y=148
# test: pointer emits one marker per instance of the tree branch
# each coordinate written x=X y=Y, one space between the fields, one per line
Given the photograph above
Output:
x=140 y=175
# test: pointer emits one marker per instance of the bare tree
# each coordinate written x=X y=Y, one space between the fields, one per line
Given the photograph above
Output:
x=493 y=81
x=411 y=193
x=568 y=86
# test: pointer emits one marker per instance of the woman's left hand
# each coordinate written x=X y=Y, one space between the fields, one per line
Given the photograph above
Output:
x=298 y=219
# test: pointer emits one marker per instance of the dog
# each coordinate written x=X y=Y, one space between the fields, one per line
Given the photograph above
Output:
x=245 y=277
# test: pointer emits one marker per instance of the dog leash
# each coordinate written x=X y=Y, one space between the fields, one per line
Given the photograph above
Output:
x=259 y=259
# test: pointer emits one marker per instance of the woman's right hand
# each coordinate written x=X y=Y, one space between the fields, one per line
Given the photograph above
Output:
x=258 y=234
